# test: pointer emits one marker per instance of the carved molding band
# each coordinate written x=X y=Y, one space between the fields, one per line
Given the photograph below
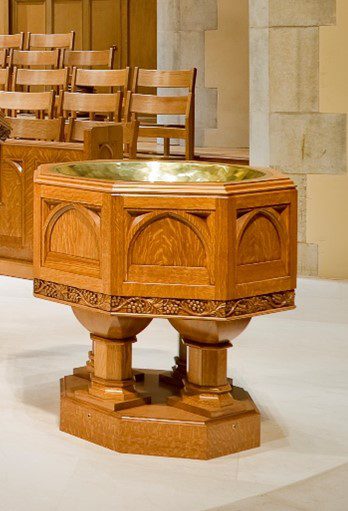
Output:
x=166 y=306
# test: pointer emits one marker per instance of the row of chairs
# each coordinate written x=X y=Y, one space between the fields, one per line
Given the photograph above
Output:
x=31 y=41
x=107 y=106
x=79 y=111
x=58 y=58
x=33 y=116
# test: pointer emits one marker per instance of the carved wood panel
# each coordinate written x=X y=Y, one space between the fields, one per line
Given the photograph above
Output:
x=168 y=247
x=71 y=237
x=262 y=243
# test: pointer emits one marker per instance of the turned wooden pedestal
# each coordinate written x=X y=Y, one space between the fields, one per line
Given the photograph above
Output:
x=104 y=404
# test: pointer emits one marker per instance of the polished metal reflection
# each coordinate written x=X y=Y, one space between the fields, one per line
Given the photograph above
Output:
x=158 y=171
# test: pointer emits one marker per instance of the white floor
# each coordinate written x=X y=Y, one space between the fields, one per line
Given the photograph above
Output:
x=294 y=365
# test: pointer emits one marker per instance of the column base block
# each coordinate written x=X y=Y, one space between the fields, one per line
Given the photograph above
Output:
x=158 y=429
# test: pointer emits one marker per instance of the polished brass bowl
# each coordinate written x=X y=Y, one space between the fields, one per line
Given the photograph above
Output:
x=159 y=171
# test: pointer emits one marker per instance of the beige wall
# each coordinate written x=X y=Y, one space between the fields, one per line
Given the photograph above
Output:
x=327 y=213
x=227 y=69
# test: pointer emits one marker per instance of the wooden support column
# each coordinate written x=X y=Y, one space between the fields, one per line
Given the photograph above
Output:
x=207 y=390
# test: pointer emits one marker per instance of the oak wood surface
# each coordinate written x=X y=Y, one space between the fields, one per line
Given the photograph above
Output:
x=38 y=58
x=12 y=40
x=51 y=41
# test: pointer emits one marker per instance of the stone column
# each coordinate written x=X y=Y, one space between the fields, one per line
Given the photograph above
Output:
x=287 y=129
x=181 y=45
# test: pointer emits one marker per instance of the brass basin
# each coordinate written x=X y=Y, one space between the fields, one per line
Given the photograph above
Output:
x=158 y=171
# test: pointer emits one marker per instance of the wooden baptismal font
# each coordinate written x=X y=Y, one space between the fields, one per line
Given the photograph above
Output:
x=205 y=246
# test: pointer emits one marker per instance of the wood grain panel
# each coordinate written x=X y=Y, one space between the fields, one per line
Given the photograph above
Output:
x=29 y=16
x=83 y=238
x=11 y=204
x=67 y=16
x=260 y=242
x=106 y=26
x=164 y=242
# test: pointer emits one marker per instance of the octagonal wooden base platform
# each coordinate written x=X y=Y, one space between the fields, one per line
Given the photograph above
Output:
x=158 y=429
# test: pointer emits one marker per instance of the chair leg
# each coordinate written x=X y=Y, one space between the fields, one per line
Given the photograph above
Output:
x=166 y=144
x=189 y=149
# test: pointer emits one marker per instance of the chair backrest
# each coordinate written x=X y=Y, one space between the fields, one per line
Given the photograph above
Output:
x=93 y=58
x=4 y=79
x=27 y=101
x=57 y=78
x=150 y=104
x=113 y=79
x=12 y=41
x=40 y=58
x=3 y=57
x=36 y=129
x=72 y=103
x=51 y=41
x=185 y=79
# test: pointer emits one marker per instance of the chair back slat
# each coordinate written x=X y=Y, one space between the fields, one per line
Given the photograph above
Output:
x=86 y=58
x=27 y=101
x=40 y=58
x=4 y=79
x=3 y=57
x=12 y=41
x=51 y=41
x=36 y=129
x=72 y=103
x=185 y=79
x=111 y=78
x=149 y=104
x=57 y=78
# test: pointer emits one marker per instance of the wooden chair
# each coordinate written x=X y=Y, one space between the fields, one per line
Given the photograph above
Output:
x=44 y=78
x=71 y=104
x=169 y=79
x=40 y=103
x=3 y=58
x=12 y=41
x=150 y=78
x=51 y=41
x=140 y=105
x=111 y=79
x=38 y=58
x=36 y=129
x=4 y=79
x=92 y=59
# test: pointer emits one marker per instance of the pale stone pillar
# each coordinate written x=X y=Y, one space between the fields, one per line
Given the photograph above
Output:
x=287 y=129
x=181 y=45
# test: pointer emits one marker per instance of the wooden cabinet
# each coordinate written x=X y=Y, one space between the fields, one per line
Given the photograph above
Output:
x=131 y=25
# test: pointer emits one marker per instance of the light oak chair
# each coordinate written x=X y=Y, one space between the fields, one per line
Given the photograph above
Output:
x=51 y=41
x=34 y=58
x=4 y=79
x=73 y=104
x=110 y=79
x=24 y=128
x=39 y=103
x=94 y=58
x=3 y=58
x=12 y=41
x=170 y=79
x=142 y=105
x=44 y=78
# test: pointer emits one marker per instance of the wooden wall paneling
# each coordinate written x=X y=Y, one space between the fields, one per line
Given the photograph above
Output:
x=106 y=27
x=69 y=15
x=142 y=43
x=29 y=16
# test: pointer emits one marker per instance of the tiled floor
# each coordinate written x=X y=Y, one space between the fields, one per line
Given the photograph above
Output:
x=294 y=365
